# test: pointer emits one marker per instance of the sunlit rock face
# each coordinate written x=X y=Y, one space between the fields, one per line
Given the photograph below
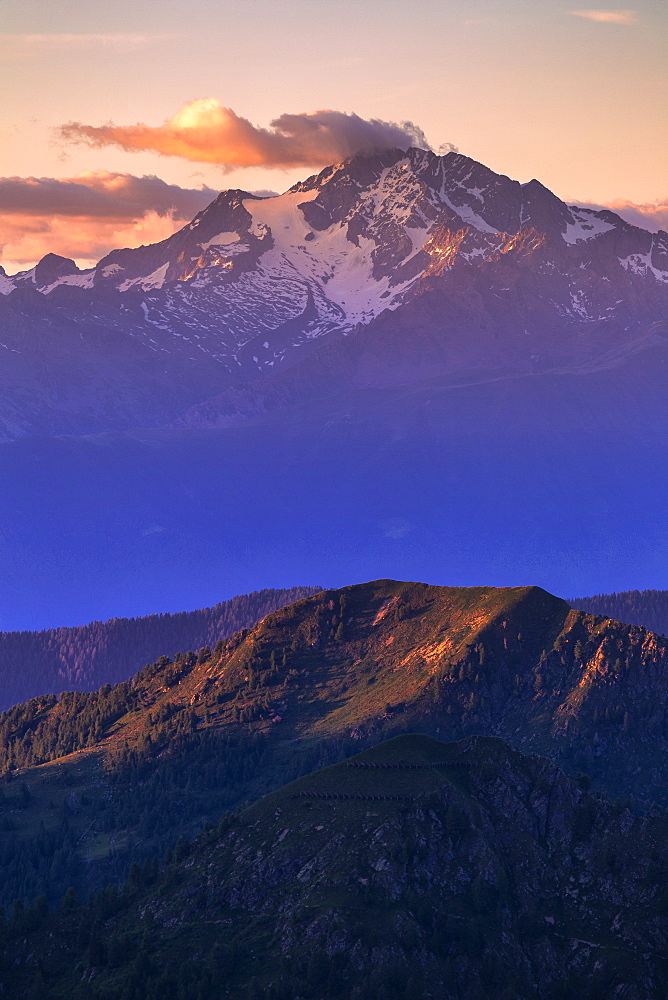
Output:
x=499 y=272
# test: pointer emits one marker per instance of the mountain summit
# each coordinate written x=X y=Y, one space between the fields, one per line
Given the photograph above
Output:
x=406 y=357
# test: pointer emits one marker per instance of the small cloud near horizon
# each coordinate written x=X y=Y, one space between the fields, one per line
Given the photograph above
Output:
x=205 y=131
x=623 y=17
x=395 y=527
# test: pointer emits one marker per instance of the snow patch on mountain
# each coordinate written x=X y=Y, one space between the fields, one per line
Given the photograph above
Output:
x=342 y=263
x=585 y=225
x=360 y=239
x=221 y=240
x=281 y=216
x=154 y=280
x=641 y=264
x=467 y=214
x=76 y=280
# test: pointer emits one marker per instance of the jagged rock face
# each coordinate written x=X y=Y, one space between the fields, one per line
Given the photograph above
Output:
x=52 y=269
x=511 y=274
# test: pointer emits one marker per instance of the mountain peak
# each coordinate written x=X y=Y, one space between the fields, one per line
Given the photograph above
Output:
x=52 y=267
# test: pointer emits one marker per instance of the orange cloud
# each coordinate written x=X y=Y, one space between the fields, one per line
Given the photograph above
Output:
x=27 y=238
x=85 y=217
x=207 y=132
x=624 y=17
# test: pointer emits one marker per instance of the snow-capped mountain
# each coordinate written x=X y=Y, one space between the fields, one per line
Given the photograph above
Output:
x=497 y=272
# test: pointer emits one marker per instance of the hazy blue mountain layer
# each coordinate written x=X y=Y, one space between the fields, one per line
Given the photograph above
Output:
x=558 y=479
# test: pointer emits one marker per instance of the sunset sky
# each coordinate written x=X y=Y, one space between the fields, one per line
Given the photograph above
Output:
x=168 y=98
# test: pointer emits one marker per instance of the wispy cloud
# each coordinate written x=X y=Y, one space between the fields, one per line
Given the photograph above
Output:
x=102 y=195
x=207 y=132
x=72 y=41
x=395 y=527
x=623 y=17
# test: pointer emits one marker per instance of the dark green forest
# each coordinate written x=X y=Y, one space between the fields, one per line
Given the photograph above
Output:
x=467 y=900
x=148 y=809
x=96 y=782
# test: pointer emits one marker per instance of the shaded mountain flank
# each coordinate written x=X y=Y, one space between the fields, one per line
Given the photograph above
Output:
x=118 y=775
x=85 y=657
x=416 y=869
x=648 y=608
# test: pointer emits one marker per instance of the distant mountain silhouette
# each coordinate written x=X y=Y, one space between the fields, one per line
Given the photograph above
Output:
x=456 y=268
x=648 y=608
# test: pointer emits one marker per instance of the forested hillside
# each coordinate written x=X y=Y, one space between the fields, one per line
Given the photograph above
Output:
x=648 y=608
x=416 y=870
x=85 y=657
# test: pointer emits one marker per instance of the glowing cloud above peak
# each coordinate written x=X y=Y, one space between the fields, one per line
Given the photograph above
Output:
x=207 y=132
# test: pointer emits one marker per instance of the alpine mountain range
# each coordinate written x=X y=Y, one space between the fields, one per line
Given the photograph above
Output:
x=446 y=369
